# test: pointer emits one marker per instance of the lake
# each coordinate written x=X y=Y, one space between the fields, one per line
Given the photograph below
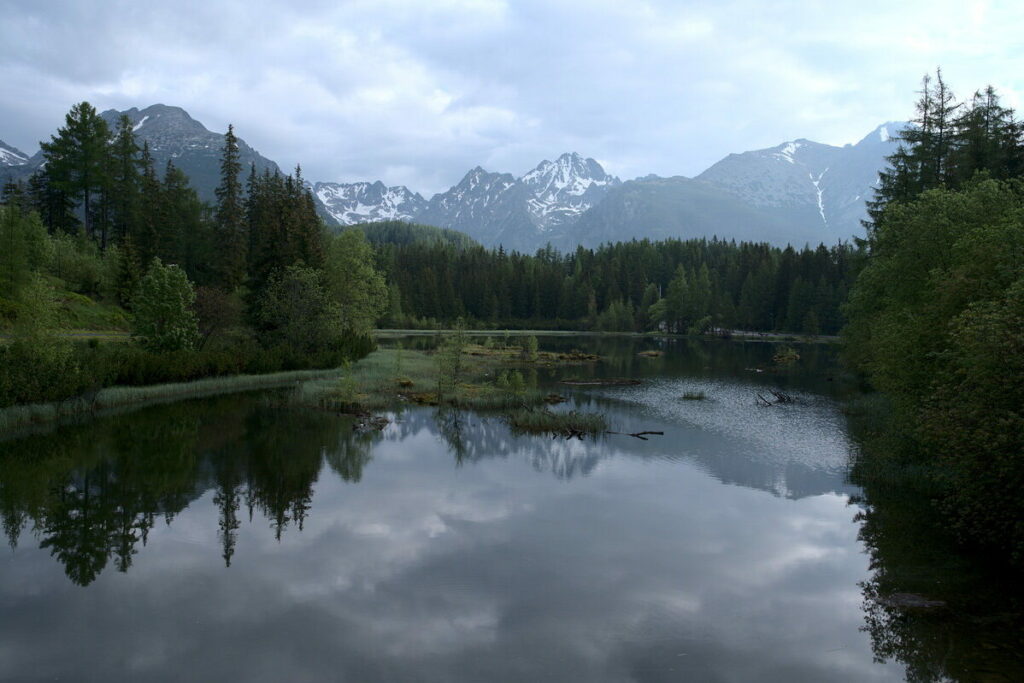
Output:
x=244 y=537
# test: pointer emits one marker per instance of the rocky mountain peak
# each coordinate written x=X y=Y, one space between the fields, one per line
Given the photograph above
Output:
x=173 y=135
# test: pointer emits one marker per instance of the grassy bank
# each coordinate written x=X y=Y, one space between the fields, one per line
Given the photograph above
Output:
x=18 y=417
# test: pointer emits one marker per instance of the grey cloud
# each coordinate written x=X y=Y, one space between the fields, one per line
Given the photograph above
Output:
x=417 y=93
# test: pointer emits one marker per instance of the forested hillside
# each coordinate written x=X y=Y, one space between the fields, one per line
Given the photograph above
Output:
x=692 y=286
x=251 y=284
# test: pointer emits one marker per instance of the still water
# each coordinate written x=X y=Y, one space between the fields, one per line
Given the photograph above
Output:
x=245 y=538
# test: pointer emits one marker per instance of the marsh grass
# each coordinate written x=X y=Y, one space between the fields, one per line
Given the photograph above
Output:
x=377 y=387
x=558 y=423
x=16 y=417
x=372 y=384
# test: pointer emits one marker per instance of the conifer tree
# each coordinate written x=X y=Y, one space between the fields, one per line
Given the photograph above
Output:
x=76 y=159
x=147 y=234
x=125 y=180
x=231 y=239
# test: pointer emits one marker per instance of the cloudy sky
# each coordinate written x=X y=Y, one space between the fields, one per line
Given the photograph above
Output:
x=416 y=93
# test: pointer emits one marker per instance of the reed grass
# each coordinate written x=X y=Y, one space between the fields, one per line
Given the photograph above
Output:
x=558 y=423
x=16 y=417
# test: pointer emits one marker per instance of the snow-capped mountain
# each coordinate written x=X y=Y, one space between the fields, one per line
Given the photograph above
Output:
x=489 y=207
x=350 y=203
x=175 y=136
x=492 y=208
x=816 y=184
x=799 y=191
x=520 y=213
x=563 y=189
x=11 y=156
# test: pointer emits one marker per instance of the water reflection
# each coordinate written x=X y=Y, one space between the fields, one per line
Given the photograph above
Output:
x=92 y=493
x=257 y=541
x=971 y=624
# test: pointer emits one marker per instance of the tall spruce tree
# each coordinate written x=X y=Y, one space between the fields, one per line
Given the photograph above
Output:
x=231 y=240
x=147 y=234
x=125 y=180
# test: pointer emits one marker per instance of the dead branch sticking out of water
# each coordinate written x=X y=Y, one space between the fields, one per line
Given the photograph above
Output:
x=780 y=397
x=639 y=435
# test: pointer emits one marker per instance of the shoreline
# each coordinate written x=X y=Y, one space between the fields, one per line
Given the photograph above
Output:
x=16 y=420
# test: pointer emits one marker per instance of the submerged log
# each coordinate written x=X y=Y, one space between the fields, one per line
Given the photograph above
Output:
x=610 y=382
x=780 y=397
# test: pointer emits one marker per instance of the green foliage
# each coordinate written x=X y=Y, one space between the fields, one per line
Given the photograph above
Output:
x=745 y=285
x=162 y=315
x=230 y=220
x=558 y=423
x=511 y=381
x=38 y=365
x=77 y=261
x=23 y=249
x=972 y=415
x=402 y=233
x=77 y=167
x=935 y=322
x=298 y=312
x=283 y=226
x=354 y=283
x=785 y=356
x=450 y=361
x=530 y=348
x=618 y=317
x=948 y=144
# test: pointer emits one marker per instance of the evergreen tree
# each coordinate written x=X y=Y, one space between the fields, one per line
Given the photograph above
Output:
x=146 y=236
x=77 y=162
x=231 y=239
x=125 y=180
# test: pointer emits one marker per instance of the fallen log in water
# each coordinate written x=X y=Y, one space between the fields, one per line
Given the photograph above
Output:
x=610 y=382
x=780 y=397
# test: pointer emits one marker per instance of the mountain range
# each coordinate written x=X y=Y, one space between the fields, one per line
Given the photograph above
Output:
x=797 y=192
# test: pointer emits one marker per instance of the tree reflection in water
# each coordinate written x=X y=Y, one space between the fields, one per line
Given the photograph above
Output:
x=972 y=629
x=91 y=493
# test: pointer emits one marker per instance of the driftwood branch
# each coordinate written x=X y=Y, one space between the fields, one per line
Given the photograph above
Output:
x=780 y=397
x=639 y=435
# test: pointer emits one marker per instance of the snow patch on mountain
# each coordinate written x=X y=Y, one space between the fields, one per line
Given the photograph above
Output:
x=787 y=151
x=11 y=156
x=817 y=187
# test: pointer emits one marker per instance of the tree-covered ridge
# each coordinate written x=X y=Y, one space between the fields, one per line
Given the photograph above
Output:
x=936 y=318
x=673 y=285
x=403 y=233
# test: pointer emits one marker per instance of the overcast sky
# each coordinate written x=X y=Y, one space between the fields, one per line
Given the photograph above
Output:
x=417 y=92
